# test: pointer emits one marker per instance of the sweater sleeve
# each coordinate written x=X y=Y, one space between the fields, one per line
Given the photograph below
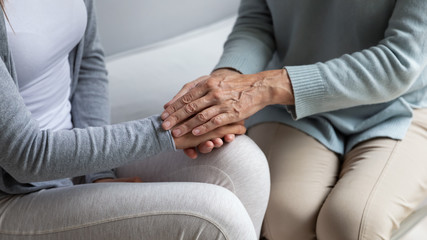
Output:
x=251 y=44
x=33 y=155
x=90 y=103
x=379 y=74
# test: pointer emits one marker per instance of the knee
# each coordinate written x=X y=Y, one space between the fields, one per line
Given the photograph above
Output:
x=337 y=220
x=244 y=156
x=227 y=213
x=353 y=219
x=292 y=212
x=246 y=174
x=244 y=164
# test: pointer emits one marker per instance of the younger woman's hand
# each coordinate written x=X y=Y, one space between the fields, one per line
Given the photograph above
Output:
x=190 y=141
x=208 y=146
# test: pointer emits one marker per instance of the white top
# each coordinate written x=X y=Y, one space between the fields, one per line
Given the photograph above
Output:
x=41 y=35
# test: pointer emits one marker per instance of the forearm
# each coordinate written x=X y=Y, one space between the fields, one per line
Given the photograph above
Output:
x=31 y=155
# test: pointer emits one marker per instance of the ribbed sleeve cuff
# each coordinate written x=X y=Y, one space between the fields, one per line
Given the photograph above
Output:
x=165 y=139
x=309 y=90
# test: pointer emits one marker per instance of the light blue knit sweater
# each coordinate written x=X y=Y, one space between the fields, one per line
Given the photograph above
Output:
x=357 y=68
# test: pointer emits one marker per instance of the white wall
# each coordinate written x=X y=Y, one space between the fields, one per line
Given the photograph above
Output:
x=129 y=24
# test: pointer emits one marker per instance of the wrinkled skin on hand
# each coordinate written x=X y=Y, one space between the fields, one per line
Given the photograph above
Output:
x=209 y=145
x=224 y=98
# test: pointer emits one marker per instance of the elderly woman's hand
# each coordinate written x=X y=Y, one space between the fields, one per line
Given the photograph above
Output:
x=223 y=98
x=208 y=146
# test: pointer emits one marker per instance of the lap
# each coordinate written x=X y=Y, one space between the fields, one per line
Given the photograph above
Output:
x=126 y=211
x=179 y=197
x=239 y=166
x=234 y=163
x=295 y=158
x=382 y=179
x=302 y=171
x=365 y=194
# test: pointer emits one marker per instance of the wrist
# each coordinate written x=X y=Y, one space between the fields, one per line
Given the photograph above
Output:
x=278 y=86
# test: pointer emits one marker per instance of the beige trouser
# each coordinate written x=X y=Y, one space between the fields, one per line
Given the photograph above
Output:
x=365 y=195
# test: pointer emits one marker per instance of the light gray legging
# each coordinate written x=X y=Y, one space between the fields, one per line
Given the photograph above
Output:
x=169 y=205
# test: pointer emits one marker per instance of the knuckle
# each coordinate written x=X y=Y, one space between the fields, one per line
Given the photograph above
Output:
x=234 y=116
x=172 y=108
x=217 y=120
x=212 y=82
x=202 y=117
x=217 y=95
x=186 y=98
x=191 y=108
x=175 y=118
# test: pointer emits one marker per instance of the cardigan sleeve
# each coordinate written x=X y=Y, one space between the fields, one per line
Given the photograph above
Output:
x=29 y=154
x=90 y=102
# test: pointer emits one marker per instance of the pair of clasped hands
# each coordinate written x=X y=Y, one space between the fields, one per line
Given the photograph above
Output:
x=212 y=109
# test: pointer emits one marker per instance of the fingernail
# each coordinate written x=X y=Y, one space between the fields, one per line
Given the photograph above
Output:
x=166 y=124
x=196 y=131
x=165 y=115
x=176 y=132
